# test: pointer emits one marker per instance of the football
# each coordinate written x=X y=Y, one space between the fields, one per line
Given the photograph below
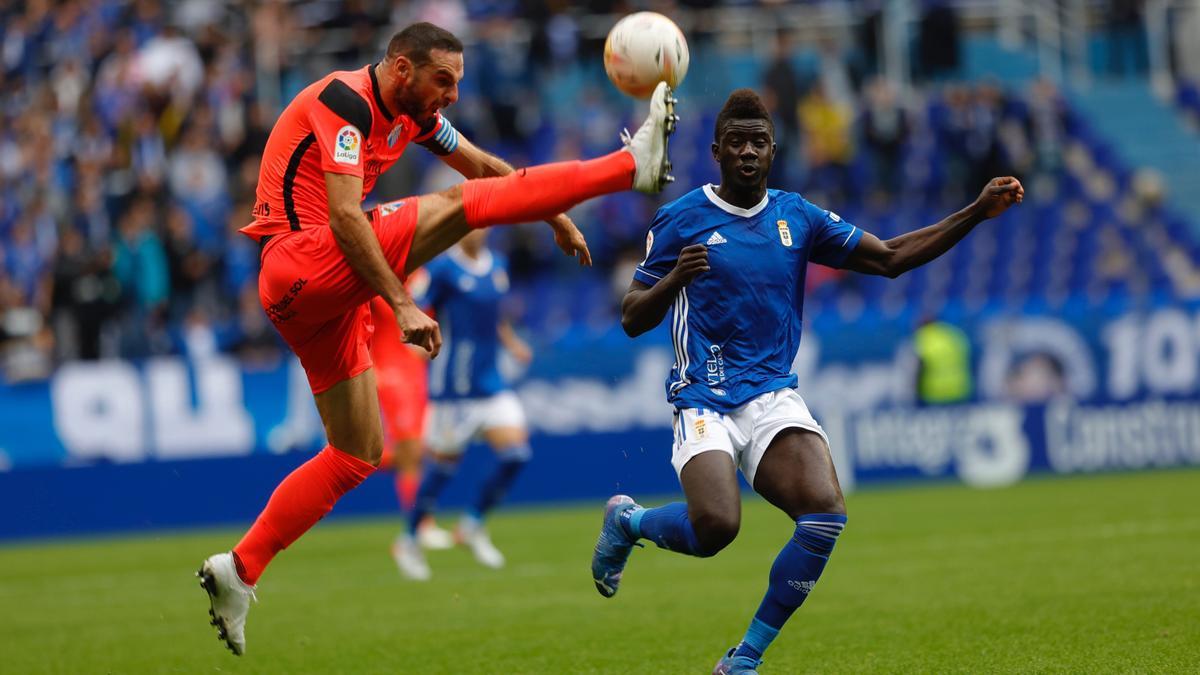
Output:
x=642 y=50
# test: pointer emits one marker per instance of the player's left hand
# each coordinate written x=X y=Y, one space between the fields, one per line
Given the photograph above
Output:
x=570 y=239
x=998 y=195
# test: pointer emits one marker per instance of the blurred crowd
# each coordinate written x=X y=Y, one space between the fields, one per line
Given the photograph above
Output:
x=130 y=134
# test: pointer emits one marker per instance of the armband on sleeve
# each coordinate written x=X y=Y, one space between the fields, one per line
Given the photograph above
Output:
x=440 y=138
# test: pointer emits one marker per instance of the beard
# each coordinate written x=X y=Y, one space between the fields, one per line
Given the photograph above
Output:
x=411 y=105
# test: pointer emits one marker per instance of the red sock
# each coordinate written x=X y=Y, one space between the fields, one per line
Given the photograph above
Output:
x=542 y=192
x=407 y=484
x=303 y=498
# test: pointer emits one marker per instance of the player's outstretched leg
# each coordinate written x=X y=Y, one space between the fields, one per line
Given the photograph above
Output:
x=541 y=192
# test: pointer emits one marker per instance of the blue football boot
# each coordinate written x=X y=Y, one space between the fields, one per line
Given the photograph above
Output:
x=613 y=547
x=736 y=665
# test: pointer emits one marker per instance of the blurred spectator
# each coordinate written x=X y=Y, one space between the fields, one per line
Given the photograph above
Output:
x=826 y=126
x=885 y=129
x=938 y=41
x=188 y=265
x=199 y=184
x=85 y=293
x=140 y=266
x=943 y=364
x=781 y=94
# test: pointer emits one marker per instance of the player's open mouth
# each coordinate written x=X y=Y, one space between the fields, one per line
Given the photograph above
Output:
x=748 y=170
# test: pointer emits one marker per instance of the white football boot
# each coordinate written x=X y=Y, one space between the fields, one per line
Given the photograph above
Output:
x=649 y=145
x=433 y=538
x=229 y=598
x=473 y=535
x=410 y=559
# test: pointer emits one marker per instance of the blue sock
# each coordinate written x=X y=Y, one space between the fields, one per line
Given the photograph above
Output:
x=795 y=572
x=512 y=460
x=667 y=526
x=435 y=480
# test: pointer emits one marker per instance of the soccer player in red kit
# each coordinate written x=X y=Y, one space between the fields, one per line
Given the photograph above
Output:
x=324 y=259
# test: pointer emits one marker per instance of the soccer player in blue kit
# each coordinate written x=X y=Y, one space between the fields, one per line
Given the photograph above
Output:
x=468 y=395
x=729 y=261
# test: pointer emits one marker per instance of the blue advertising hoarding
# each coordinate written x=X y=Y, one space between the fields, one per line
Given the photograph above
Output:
x=108 y=446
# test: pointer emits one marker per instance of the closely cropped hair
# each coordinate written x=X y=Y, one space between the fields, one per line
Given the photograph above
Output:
x=417 y=40
x=742 y=104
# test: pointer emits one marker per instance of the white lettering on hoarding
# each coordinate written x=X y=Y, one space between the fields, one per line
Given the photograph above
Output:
x=1131 y=436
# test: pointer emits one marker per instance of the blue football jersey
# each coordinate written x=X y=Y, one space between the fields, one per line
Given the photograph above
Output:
x=465 y=296
x=736 y=328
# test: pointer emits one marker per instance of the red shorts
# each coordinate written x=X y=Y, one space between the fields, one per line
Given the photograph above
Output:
x=317 y=301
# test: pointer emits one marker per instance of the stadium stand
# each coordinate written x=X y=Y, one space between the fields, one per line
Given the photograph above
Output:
x=127 y=165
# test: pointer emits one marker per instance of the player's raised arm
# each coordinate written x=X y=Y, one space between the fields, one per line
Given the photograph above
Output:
x=361 y=247
x=471 y=161
x=900 y=254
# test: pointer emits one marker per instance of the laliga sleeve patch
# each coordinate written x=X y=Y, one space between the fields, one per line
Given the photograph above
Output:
x=347 y=147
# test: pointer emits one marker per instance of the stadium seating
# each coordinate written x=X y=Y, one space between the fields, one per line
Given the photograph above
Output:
x=1091 y=232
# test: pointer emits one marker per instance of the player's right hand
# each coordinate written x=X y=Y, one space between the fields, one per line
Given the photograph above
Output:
x=418 y=328
x=693 y=261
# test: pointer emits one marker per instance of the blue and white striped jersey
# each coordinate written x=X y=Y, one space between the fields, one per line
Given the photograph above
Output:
x=736 y=329
x=465 y=296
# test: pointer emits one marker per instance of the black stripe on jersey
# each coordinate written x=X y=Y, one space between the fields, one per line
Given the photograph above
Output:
x=347 y=104
x=378 y=97
x=289 y=179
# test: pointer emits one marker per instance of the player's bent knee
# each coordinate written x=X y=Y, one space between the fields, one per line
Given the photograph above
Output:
x=373 y=454
x=715 y=531
x=826 y=500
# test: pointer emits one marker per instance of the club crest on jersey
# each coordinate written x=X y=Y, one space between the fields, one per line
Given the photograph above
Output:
x=348 y=147
x=785 y=234
x=395 y=135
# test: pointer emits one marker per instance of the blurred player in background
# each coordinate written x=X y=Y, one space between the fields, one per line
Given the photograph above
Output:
x=470 y=398
x=324 y=259
x=730 y=260
x=401 y=374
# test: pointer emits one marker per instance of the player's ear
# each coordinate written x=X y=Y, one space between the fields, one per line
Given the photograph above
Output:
x=716 y=151
x=404 y=67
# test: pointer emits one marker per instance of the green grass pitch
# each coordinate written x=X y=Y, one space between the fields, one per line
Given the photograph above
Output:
x=1081 y=575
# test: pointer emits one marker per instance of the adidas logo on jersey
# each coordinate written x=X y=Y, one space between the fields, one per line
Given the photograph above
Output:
x=715 y=239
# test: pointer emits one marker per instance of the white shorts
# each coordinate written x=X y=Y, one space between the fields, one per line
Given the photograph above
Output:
x=743 y=434
x=454 y=424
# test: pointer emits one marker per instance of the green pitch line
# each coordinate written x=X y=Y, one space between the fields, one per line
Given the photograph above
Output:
x=1094 y=574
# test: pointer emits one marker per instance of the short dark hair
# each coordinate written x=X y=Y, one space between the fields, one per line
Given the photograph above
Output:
x=417 y=40
x=742 y=104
